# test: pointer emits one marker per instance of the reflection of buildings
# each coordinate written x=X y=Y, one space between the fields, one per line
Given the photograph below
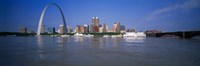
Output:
x=23 y=30
x=79 y=39
x=105 y=42
x=40 y=41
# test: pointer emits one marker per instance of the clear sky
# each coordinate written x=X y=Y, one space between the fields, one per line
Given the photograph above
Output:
x=164 y=15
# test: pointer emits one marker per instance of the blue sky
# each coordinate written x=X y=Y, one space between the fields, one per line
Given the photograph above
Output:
x=164 y=15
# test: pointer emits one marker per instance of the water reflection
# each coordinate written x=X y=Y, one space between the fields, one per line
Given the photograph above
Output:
x=43 y=51
x=96 y=42
x=40 y=43
x=135 y=39
x=116 y=42
x=57 y=43
x=60 y=44
x=78 y=39
x=100 y=42
x=61 y=40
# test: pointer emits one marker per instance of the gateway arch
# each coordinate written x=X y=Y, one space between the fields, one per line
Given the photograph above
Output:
x=42 y=16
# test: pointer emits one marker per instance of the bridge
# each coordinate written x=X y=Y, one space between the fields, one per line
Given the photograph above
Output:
x=181 y=34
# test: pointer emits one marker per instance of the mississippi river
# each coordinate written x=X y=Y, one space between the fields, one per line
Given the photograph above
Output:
x=99 y=51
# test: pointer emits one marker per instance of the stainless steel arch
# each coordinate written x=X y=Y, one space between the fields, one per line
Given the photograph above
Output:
x=42 y=16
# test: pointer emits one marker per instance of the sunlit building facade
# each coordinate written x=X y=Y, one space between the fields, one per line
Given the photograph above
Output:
x=116 y=27
x=61 y=29
x=95 y=24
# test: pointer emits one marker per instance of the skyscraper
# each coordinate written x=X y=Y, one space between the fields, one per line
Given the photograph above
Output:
x=122 y=28
x=95 y=21
x=95 y=24
x=80 y=29
x=43 y=28
x=116 y=27
x=91 y=28
x=51 y=30
x=61 y=29
x=104 y=28
x=69 y=29
x=86 y=28
x=100 y=28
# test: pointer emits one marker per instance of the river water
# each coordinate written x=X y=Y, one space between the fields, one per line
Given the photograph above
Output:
x=99 y=51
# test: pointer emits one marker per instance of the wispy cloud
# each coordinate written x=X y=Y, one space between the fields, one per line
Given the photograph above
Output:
x=163 y=12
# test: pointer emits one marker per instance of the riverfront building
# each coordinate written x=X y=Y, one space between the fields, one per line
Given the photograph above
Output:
x=22 y=29
x=51 y=30
x=116 y=27
x=42 y=28
x=61 y=30
x=95 y=24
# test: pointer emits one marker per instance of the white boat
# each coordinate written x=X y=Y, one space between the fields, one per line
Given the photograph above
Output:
x=106 y=36
x=65 y=35
x=134 y=34
x=116 y=36
x=78 y=35
x=88 y=35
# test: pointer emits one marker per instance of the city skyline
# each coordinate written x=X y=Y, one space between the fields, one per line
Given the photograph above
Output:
x=178 y=15
x=94 y=27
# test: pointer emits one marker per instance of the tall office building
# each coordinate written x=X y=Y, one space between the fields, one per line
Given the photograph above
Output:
x=122 y=28
x=77 y=29
x=43 y=29
x=100 y=28
x=61 y=29
x=86 y=28
x=80 y=29
x=69 y=29
x=91 y=28
x=104 y=28
x=95 y=21
x=95 y=24
x=116 y=27
x=51 y=30
x=95 y=29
